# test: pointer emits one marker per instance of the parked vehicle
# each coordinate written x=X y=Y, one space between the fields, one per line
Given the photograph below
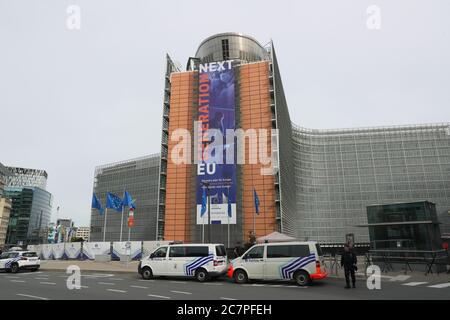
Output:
x=13 y=261
x=299 y=261
x=202 y=261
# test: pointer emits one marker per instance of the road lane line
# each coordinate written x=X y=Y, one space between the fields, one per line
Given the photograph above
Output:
x=225 y=298
x=49 y=283
x=107 y=283
x=142 y=280
x=440 y=286
x=413 y=284
x=180 y=292
x=115 y=290
x=183 y=282
x=41 y=279
x=212 y=284
x=30 y=296
x=115 y=279
x=139 y=287
x=12 y=277
x=21 y=281
x=156 y=296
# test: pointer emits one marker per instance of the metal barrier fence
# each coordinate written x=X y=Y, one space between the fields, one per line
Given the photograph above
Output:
x=387 y=259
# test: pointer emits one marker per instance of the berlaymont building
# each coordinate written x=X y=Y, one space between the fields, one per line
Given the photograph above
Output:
x=320 y=183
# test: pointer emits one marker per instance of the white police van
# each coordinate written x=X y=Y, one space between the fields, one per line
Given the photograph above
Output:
x=13 y=261
x=202 y=261
x=299 y=261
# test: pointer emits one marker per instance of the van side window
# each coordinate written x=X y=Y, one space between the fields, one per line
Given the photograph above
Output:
x=176 y=252
x=255 y=253
x=221 y=251
x=287 y=251
x=196 y=251
x=160 y=253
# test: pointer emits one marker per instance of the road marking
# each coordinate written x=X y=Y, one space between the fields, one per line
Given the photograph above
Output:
x=115 y=279
x=156 y=296
x=139 y=287
x=142 y=280
x=275 y=285
x=33 y=273
x=225 y=298
x=413 y=284
x=50 y=283
x=178 y=282
x=180 y=292
x=107 y=283
x=84 y=287
x=12 y=277
x=115 y=290
x=29 y=296
x=212 y=284
x=21 y=281
x=41 y=278
x=400 y=278
x=440 y=286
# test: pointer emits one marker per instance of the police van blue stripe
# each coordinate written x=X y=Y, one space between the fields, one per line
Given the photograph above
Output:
x=304 y=263
x=296 y=264
x=189 y=269
x=201 y=262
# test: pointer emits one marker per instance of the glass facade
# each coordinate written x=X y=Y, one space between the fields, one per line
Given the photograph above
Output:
x=231 y=46
x=30 y=215
x=140 y=178
x=22 y=177
x=406 y=226
x=341 y=172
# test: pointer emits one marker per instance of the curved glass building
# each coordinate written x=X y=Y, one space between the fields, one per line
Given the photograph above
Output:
x=324 y=179
x=340 y=172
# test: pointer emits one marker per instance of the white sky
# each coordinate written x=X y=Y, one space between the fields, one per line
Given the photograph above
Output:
x=72 y=100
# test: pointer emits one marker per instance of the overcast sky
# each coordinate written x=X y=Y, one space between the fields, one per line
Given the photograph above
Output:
x=74 y=99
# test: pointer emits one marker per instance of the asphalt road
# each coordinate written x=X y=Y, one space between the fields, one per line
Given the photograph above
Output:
x=52 y=285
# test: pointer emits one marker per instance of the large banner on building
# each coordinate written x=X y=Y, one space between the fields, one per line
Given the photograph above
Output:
x=91 y=249
x=216 y=110
x=127 y=248
x=72 y=250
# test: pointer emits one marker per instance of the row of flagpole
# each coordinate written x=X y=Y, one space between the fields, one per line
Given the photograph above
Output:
x=118 y=204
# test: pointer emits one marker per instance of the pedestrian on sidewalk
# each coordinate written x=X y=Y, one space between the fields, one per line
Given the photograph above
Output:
x=348 y=261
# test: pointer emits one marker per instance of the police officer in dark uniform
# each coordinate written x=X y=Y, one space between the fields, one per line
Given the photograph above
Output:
x=348 y=261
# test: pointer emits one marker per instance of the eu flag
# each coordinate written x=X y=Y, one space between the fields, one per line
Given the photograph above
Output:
x=113 y=202
x=256 y=198
x=203 y=210
x=128 y=201
x=96 y=204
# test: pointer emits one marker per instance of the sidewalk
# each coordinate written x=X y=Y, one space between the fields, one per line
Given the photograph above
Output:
x=112 y=266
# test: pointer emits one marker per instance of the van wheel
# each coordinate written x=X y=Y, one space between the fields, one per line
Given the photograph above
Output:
x=15 y=268
x=201 y=275
x=240 y=276
x=302 y=278
x=147 y=273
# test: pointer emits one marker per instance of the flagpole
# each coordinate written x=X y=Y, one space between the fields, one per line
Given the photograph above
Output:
x=104 y=225
x=228 y=215
x=121 y=224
